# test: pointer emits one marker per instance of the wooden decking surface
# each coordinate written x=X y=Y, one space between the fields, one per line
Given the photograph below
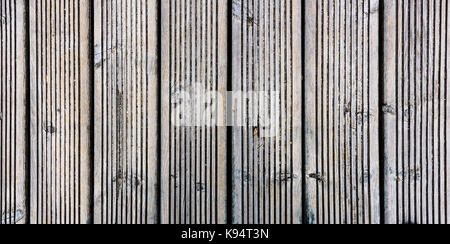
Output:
x=96 y=127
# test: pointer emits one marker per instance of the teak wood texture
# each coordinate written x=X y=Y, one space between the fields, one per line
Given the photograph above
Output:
x=95 y=127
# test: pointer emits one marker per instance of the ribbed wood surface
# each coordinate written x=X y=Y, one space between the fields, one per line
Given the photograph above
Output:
x=13 y=209
x=117 y=111
x=60 y=111
x=267 y=161
x=342 y=115
x=126 y=112
x=417 y=112
x=194 y=59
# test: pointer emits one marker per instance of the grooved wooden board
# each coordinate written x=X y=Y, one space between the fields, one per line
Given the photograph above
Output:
x=13 y=207
x=417 y=111
x=126 y=112
x=267 y=158
x=117 y=111
x=61 y=126
x=194 y=59
x=342 y=115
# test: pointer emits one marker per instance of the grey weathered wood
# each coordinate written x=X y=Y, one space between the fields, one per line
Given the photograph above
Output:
x=193 y=165
x=60 y=111
x=342 y=125
x=13 y=205
x=126 y=112
x=266 y=173
x=342 y=112
x=416 y=110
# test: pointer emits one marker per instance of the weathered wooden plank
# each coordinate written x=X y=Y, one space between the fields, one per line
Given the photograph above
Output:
x=447 y=105
x=194 y=64
x=342 y=115
x=60 y=111
x=416 y=111
x=13 y=199
x=341 y=123
x=126 y=112
x=267 y=112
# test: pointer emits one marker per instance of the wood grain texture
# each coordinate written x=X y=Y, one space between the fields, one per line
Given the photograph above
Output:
x=416 y=111
x=126 y=112
x=194 y=58
x=342 y=112
x=61 y=123
x=266 y=170
x=13 y=206
x=110 y=113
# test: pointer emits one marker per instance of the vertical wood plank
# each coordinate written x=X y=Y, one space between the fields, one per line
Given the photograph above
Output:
x=311 y=61
x=194 y=66
x=416 y=112
x=447 y=105
x=60 y=111
x=267 y=87
x=13 y=199
x=373 y=163
x=342 y=112
x=126 y=112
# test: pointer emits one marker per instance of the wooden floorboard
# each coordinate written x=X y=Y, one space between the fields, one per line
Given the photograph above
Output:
x=267 y=154
x=416 y=110
x=126 y=112
x=60 y=80
x=194 y=63
x=13 y=205
x=342 y=112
